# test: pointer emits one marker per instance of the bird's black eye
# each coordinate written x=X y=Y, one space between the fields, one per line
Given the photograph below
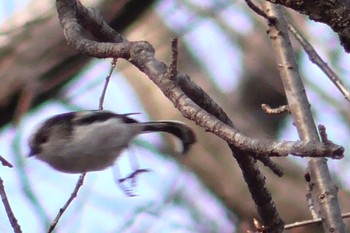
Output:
x=36 y=142
x=41 y=138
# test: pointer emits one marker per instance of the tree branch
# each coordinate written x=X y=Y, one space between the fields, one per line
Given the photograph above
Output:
x=310 y=51
x=334 y=13
x=14 y=223
x=324 y=191
x=64 y=208
x=316 y=59
x=4 y=162
x=309 y=222
x=189 y=98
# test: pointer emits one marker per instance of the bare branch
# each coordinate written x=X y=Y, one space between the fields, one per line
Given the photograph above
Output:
x=104 y=91
x=334 y=13
x=309 y=222
x=5 y=162
x=64 y=208
x=310 y=51
x=16 y=227
x=323 y=133
x=256 y=9
x=281 y=109
x=190 y=99
x=316 y=59
x=172 y=71
x=324 y=192
x=269 y=163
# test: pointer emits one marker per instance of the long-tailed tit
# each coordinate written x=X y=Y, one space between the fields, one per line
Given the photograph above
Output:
x=78 y=142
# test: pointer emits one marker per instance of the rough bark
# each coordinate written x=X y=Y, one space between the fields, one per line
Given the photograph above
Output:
x=333 y=13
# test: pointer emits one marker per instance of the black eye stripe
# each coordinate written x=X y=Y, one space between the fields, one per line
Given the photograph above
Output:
x=91 y=118
x=100 y=117
x=41 y=138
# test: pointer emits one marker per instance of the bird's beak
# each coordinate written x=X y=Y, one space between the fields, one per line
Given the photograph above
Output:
x=32 y=152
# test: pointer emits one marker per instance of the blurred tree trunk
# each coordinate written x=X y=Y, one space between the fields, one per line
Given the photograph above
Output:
x=36 y=62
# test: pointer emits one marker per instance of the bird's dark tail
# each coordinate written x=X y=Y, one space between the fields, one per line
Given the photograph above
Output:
x=178 y=129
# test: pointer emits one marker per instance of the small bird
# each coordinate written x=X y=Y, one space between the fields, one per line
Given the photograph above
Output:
x=78 y=142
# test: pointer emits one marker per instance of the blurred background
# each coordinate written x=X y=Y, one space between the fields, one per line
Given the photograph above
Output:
x=223 y=47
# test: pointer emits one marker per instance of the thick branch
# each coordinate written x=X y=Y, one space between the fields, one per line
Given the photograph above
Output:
x=324 y=191
x=334 y=13
x=184 y=93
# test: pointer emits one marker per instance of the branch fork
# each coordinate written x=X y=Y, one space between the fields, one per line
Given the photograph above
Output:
x=110 y=44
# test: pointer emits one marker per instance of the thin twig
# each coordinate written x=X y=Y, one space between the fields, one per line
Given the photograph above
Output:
x=310 y=51
x=273 y=111
x=323 y=133
x=309 y=222
x=16 y=227
x=316 y=59
x=256 y=9
x=71 y=198
x=104 y=91
x=5 y=162
x=172 y=70
x=270 y=164
x=260 y=11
